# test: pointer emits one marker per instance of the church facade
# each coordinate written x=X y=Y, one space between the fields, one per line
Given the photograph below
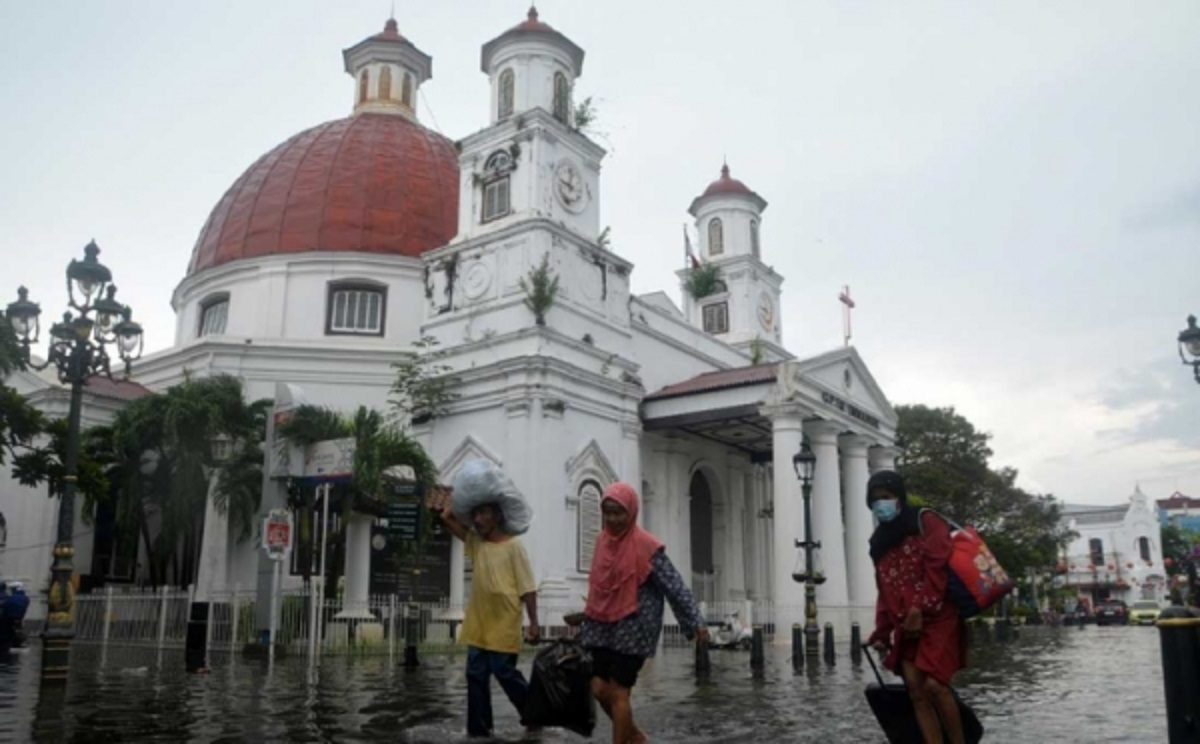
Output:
x=359 y=237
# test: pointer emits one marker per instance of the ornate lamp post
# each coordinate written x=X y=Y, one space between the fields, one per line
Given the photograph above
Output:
x=805 y=463
x=78 y=350
x=1189 y=346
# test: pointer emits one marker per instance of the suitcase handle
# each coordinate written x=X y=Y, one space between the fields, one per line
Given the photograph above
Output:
x=867 y=651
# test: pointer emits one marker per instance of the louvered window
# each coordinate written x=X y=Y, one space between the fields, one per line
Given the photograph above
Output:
x=356 y=310
x=590 y=523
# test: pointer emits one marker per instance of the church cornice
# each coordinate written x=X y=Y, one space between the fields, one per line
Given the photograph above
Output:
x=524 y=126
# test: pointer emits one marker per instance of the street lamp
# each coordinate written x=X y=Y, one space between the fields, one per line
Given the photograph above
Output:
x=805 y=463
x=1189 y=346
x=78 y=351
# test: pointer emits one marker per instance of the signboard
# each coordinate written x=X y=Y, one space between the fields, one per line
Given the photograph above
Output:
x=277 y=534
x=417 y=577
x=403 y=521
x=283 y=460
x=332 y=458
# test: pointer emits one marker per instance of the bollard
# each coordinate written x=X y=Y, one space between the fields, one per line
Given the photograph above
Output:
x=855 y=644
x=830 y=657
x=1179 y=634
x=797 y=647
x=410 y=637
x=703 y=663
x=757 y=660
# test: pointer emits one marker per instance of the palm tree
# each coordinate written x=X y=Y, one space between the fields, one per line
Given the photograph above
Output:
x=379 y=445
x=159 y=461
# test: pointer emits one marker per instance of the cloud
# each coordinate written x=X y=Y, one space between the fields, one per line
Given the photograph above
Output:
x=1163 y=399
x=1180 y=209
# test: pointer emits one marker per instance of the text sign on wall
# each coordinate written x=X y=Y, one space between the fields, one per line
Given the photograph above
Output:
x=849 y=409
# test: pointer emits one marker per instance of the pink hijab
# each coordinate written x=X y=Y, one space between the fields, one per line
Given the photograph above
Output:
x=621 y=563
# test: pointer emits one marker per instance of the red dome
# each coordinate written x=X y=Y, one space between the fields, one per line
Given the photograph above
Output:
x=726 y=185
x=375 y=183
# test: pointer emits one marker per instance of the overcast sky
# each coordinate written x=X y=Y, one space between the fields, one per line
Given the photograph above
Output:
x=1011 y=189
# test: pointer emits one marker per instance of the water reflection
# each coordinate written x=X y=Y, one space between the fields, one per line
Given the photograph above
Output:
x=1096 y=684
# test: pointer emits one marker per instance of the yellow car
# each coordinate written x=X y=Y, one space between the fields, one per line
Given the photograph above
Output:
x=1144 y=612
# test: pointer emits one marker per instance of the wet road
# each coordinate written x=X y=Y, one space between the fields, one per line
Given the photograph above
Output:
x=1064 y=684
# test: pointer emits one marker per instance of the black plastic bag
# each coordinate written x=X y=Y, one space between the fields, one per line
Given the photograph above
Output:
x=560 y=689
x=893 y=708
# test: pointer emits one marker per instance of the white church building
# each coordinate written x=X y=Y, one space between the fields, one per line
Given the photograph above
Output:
x=350 y=241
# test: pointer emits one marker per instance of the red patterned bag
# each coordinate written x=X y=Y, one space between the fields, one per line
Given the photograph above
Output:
x=977 y=580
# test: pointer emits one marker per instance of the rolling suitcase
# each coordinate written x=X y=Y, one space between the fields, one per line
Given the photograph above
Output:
x=893 y=709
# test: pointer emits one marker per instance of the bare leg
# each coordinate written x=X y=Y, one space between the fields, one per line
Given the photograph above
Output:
x=600 y=691
x=947 y=709
x=927 y=718
x=624 y=730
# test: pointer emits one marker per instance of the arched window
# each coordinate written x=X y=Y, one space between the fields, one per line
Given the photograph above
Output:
x=716 y=237
x=754 y=249
x=406 y=91
x=385 y=83
x=1096 y=548
x=1144 y=548
x=588 y=525
x=562 y=98
x=364 y=84
x=507 y=95
x=496 y=192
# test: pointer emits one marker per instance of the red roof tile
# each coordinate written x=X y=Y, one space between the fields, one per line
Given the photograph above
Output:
x=116 y=389
x=376 y=183
x=1178 y=501
x=720 y=380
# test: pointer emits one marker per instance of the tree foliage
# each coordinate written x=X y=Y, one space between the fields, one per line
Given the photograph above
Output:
x=703 y=280
x=944 y=461
x=1177 y=545
x=423 y=387
x=541 y=290
x=158 y=459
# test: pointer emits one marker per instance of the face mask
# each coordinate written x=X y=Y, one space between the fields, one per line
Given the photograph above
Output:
x=885 y=510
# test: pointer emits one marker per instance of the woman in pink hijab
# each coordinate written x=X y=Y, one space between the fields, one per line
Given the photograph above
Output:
x=631 y=576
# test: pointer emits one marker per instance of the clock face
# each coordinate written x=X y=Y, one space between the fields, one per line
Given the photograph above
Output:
x=766 y=311
x=569 y=187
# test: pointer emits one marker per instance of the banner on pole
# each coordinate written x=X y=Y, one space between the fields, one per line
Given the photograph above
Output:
x=277 y=534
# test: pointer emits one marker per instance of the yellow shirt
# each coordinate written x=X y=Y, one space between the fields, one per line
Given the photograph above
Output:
x=501 y=576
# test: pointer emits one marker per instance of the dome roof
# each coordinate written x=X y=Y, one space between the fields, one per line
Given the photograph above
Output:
x=727 y=185
x=373 y=183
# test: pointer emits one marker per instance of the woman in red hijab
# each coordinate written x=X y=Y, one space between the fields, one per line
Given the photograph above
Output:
x=631 y=576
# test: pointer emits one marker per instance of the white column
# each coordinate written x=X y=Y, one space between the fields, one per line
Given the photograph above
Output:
x=681 y=500
x=358 y=567
x=881 y=458
x=859 y=570
x=214 y=546
x=735 y=553
x=827 y=513
x=787 y=432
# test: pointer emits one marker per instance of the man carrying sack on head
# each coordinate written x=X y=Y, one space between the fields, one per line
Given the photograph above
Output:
x=486 y=500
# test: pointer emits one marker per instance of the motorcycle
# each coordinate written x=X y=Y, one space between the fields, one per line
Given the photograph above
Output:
x=731 y=633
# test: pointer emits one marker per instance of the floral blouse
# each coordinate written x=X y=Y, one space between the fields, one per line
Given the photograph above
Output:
x=913 y=574
x=637 y=634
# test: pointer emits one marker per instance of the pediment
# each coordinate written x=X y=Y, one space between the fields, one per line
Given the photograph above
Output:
x=591 y=461
x=469 y=449
x=841 y=379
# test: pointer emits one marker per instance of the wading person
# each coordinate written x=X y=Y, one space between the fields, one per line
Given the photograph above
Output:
x=631 y=575
x=916 y=625
x=501 y=584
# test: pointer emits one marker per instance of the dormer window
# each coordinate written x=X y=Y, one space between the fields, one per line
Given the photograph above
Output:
x=562 y=98
x=507 y=95
x=214 y=312
x=355 y=308
x=716 y=237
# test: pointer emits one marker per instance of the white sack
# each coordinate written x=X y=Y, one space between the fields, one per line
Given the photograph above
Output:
x=478 y=483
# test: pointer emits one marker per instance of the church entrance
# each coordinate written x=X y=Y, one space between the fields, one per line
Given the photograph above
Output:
x=703 y=569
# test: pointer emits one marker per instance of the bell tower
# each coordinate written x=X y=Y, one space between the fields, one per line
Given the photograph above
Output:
x=742 y=306
x=387 y=70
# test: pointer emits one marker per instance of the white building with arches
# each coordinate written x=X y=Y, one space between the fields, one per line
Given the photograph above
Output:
x=347 y=243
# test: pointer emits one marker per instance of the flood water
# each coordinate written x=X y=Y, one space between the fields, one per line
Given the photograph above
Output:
x=1045 y=684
